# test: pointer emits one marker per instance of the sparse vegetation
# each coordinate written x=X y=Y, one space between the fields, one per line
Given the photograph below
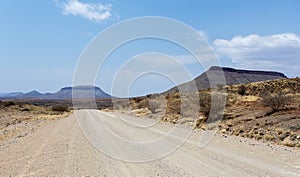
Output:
x=219 y=87
x=8 y=103
x=242 y=90
x=212 y=105
x=156 y=103
x=143 y=103
x=174 y=104
x=18 y=121
x=205 y=103
x=288 y=142
x=276 y=121
x=121 y=104
x=275 y=101
x=60 y=108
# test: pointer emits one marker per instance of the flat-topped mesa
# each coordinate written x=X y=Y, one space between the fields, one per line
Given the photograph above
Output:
x=217 y=75
x=81 y=87
x=81 y=91
x=243 y=71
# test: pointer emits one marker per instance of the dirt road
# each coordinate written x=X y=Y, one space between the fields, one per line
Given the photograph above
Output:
x=61 y=149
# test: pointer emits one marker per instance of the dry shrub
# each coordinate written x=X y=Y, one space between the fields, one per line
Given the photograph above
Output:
x=143 y=104
x=156 y=103
x=121 y=104
x=190 y=105
x=60 y=108
x=133 y=104
x=205 y=103
x=8 y=103
x=219 y=87
x=173 y=106
x=213 y=111
x=276 y=101
x=242 y=90
x=232 y=98
x=269 y=137
x=288 y=142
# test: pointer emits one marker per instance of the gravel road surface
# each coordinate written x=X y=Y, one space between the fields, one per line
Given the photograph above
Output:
x=95 y=143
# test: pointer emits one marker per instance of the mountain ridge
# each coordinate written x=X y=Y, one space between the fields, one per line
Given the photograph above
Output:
x=213 y=77
x=69 y=92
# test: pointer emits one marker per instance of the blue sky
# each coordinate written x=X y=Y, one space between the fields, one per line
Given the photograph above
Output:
x=41 y=41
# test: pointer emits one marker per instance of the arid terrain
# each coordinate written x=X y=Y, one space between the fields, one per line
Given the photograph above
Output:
x=20 y=119
x=249 y=111
x=165 y=88
x=254 y=137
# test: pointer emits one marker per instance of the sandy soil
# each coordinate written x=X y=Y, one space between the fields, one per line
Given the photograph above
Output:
x=61 y=149
x=20 y=120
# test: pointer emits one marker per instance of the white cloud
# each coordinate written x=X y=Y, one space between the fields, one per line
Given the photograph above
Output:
x=95 y=12
x=279 y=52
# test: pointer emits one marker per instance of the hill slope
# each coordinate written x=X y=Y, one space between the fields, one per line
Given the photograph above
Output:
x=214 y=76
x=267 y=111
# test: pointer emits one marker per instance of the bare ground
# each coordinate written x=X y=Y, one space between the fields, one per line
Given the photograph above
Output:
x=59 y=148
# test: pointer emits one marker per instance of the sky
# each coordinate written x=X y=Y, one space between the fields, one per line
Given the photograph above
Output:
x=41 y=42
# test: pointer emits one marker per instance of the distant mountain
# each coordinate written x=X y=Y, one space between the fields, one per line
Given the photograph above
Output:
x=232 y=77
x=63 y=94
x=32 y=94
x=13 y=94
x=79 y=92
x=216 y=74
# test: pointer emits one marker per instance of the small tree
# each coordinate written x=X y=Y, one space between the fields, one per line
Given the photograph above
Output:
x=275 y=101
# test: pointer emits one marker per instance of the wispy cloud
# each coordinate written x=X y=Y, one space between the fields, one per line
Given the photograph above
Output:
x=94 y=12
x=279 y=51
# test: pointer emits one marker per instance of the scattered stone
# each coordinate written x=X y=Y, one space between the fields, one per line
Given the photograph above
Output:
x=223 y=131
x=229 y=124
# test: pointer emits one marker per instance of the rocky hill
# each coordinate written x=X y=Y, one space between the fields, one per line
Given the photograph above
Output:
x=267 y=111
x=216 y=75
